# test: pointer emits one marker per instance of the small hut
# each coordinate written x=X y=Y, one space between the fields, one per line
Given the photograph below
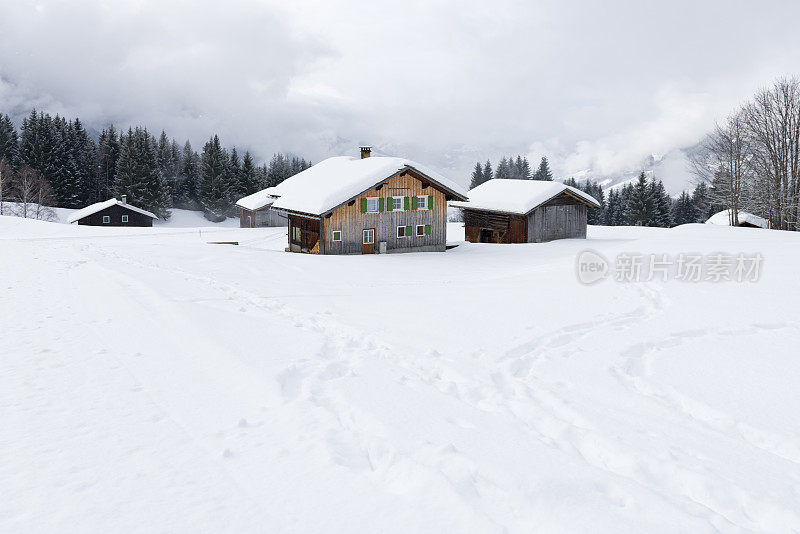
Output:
x=255 y=211
x=525 y=211
x=112 y=212
x=746 y=220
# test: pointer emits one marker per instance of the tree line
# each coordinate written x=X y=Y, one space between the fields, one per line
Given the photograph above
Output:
x=645 y=202
x=752 y=159
x=155 y=173
x=510 y=168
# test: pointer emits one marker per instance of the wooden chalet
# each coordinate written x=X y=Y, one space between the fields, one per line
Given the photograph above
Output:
x=367 y=205
x=112 y=212
x=525 y=211
x=255 y=211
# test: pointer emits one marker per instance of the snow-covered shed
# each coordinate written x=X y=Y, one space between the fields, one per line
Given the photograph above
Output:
x=367 y=205
x=525 y=211
x=256 y=211
x=746 y=219
x=112 y=212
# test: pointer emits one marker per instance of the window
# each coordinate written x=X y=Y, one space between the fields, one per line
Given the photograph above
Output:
x=106 y=219
x=337 y=235
x=422 y=202
x=295 y=233
x=124 y=218
x=397 y=203
x=420 y=230
x=369 y=236
x=372 y=204
x=404 y=231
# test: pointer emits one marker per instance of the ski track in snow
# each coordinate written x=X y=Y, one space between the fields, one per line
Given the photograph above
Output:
x=650 y=467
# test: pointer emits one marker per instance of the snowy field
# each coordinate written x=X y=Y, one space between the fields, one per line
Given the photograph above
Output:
x=152 y=382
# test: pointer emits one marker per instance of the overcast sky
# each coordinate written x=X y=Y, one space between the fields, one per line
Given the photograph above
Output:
x=592 y=85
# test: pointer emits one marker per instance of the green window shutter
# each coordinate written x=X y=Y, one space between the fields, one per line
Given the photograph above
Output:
x=430 y=202
x=389 y=204
x=363 y=205
x=406 y=203
x=427 y=229
x=408 y=231
x=413 y=203
x=380 y=204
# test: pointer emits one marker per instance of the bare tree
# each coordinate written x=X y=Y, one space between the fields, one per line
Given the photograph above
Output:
x=45 y=199
x=32 y=194
x=773 y=122
x=24 y=189
x=725 y=160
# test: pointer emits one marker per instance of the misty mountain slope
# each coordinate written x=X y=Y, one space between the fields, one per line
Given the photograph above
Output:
x=672 y=168
x=155 y=382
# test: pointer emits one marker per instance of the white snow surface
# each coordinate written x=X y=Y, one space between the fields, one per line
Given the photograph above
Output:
x=722 y=218
x=153 y=382
x=259 y=199
x=330 y=182
x=517 y=196
x=99 y=206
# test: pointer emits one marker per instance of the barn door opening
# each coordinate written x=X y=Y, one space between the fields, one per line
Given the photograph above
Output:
x=487 y=236
x=368 y=241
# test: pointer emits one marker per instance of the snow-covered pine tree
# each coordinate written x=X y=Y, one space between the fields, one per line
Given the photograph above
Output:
x=166 y=164
x=9 y=140
x=108 y=150
x=127 y=180
x=237 y=189
x=543 y=172
x=189 y=194
x=249 y=179
x=503 y=171
x=262 y=173
x=214 y=191
x=640 y=207
x=662 y=205
x=610 y=215
x=477 y=176
x=138 y=174
x=524 y=169
x=487 y=171
x=683 y=210
x=701 y=202
x=82 y=159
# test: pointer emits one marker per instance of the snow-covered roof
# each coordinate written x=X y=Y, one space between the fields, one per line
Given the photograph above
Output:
x=518 y=196
x=259 y=199
x=723 y=219
x=100 y=206
x=330 y=182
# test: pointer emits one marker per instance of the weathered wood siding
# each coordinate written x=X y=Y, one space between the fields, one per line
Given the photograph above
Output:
x=261 y=218
x=349 y=219
x=309 y=234
x=115 y=214
x=560 y=218
x=504 y=227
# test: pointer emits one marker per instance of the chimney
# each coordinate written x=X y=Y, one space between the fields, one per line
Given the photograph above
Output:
x=365 y=150
x=124 y=199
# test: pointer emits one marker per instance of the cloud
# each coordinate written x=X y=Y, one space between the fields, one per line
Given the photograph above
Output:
x=592 y=85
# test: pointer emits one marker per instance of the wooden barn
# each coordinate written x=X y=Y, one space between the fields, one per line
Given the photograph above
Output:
x=525 y=211
x=112 y=212
x=367 y=205
x=255 y=211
